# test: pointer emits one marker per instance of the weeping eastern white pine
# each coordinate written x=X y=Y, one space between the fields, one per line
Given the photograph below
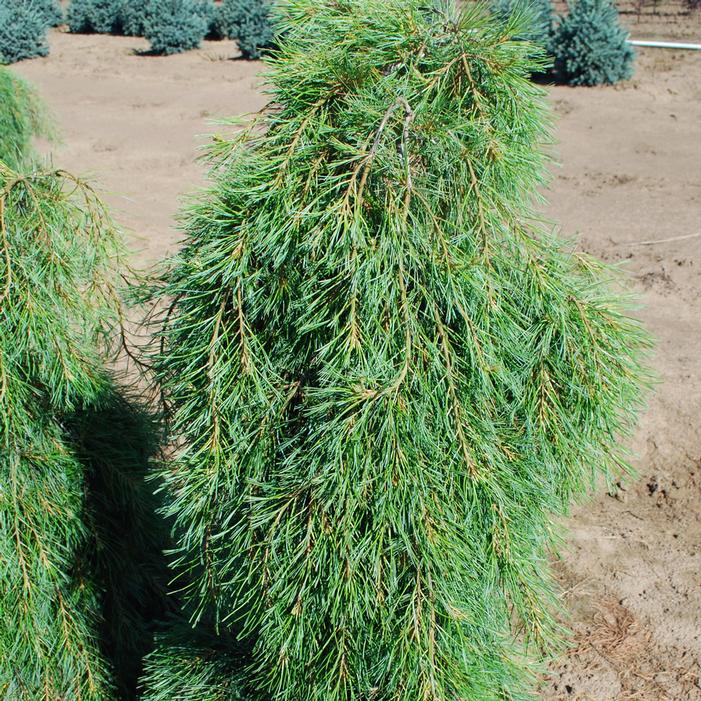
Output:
x=386 y=375
x=22 y=117
x=80 y=547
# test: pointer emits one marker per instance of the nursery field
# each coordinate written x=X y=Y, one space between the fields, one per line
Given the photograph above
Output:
x=628 y=186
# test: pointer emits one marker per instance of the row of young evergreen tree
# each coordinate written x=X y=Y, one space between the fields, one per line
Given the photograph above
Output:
x=382 y=379
x=171 y=26
x=588 y=44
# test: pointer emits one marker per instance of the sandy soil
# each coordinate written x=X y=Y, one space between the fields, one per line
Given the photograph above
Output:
x=137 y=123
x=631 y=173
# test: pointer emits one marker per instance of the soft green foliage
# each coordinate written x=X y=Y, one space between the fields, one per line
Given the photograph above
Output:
x=387 y=377
x=94 y=16
x=22 y=32
x=590 y=46
x=538 y=14
x=54 y=299
x=192 y=665
x=22 y=116
x=174 y=26
x=78 y=541
x=250 y=22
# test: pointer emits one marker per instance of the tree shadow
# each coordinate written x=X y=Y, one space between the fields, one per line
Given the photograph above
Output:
x=117 y=441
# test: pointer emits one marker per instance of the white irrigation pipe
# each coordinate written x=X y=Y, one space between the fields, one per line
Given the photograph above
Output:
x=665 y=44
x=656 y=241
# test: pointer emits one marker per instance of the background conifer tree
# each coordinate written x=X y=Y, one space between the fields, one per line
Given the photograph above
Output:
x=94 y=16
x=133 y=15
x=539 y=16
x=50 y=10
x=81 y=579
x=23 y=28
x=174 y=26
x=386 y=375
x=589 y=45
x=250 y=22
x=22 y=116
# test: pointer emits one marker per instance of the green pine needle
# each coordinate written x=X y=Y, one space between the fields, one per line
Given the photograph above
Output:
x=387 y=377
x=80 y=547
x=22 y=117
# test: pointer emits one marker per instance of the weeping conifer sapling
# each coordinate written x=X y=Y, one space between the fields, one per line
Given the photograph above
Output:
x=22 y=116
x=386 y=375
x=80 y=581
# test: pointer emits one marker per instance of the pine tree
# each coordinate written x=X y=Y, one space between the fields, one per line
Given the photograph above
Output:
x=22 y=31
x=22 y=116
x=386 y=376
x=80 y=574
x=94 y=16
x=174 y=26
x=250 y=22
x=51 y=11
x=538 y=14
x=590 y=46
x=133 y=15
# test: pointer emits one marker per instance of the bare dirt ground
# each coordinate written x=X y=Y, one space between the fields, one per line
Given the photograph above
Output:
x=630 y=174
x=137 y=123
